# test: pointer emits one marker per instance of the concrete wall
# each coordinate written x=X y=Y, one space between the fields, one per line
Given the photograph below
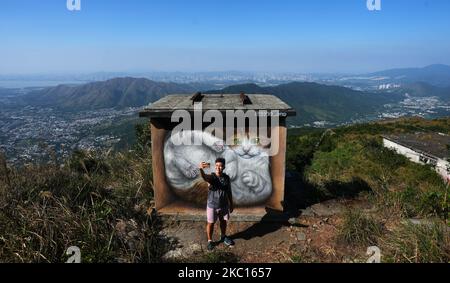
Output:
x=409 y=153
x=441 y=166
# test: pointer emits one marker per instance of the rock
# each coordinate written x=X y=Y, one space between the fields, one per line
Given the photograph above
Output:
x=301 y=236
x=307 y=212
x=195 y=249
x=180 y=253
x=174 y=254
x=295 y=248
x=327 y=208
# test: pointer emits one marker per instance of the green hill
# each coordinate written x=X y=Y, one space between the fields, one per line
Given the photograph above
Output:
x=313 y=102
x=316 y=102
x=119 y=92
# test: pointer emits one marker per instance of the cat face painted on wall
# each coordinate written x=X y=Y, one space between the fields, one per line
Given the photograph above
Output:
x=247 y=164
x=249 y=147
x=252 y=184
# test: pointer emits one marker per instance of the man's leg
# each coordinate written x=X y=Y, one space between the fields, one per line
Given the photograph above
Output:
x=211 y=219
x=209 y=231
x=223 y=218
x=223 y=226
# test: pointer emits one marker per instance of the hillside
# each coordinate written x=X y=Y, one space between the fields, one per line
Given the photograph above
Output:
x=313 y=102
x=316 y=102
x=118 y=92
x=422 y=89
x=344 y=192
x=438 y=75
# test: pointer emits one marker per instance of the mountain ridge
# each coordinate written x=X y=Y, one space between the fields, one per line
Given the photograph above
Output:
x=113 y=93
x=436 y=74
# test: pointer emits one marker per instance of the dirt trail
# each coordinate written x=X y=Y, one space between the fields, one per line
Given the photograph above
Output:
x=310 y=237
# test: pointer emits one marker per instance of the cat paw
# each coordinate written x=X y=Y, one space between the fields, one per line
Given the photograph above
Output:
x=250 y=179
x=192 y=172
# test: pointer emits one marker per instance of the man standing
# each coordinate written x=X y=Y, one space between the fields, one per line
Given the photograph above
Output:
x=220 y=201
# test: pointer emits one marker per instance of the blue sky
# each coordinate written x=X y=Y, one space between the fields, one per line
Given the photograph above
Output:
x=42 y=36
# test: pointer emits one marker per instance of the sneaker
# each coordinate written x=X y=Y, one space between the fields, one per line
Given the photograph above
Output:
x=210 y=246
x=227 y=241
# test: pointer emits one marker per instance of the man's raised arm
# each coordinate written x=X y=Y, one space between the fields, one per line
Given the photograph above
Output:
x=208 y=178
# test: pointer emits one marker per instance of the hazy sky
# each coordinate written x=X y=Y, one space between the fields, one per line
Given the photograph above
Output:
x=42 y=36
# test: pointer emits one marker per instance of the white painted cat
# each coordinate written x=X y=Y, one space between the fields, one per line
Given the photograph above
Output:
x=247 y=164
x=252 y=183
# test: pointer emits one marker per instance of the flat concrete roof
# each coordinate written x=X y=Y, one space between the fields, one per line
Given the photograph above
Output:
x=222 y=102
x=433 y=144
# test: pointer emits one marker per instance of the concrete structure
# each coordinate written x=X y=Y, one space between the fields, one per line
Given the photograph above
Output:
x=423 y=148
x=257 y=179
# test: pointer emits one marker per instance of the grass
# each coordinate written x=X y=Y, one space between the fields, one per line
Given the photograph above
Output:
x=359 y=229
x=219 y=256
x=215 y=256
x=413 y=243
x=399 y=186
x=99 y=201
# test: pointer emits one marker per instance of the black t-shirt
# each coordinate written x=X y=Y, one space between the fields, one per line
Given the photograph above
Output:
x=218 y=191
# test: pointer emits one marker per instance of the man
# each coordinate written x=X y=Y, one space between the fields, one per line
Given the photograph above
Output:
x=220 y=201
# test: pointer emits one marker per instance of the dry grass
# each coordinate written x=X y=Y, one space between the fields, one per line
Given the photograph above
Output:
x=100 y=202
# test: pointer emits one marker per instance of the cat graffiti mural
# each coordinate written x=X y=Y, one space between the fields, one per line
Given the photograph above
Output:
x=248 y=131
x=247 y=164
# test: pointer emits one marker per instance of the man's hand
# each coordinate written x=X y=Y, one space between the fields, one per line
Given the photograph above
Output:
x=206 y=177
x=204 y=165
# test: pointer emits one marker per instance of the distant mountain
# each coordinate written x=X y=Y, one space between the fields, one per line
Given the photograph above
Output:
x=316 y=102
x=425 y=89
x=422 y=89
x=438 y=75
x=118 y=92
x=313 y=102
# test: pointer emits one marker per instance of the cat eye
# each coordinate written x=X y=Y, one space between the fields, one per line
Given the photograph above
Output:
x=255 y=141
x=237 y=141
